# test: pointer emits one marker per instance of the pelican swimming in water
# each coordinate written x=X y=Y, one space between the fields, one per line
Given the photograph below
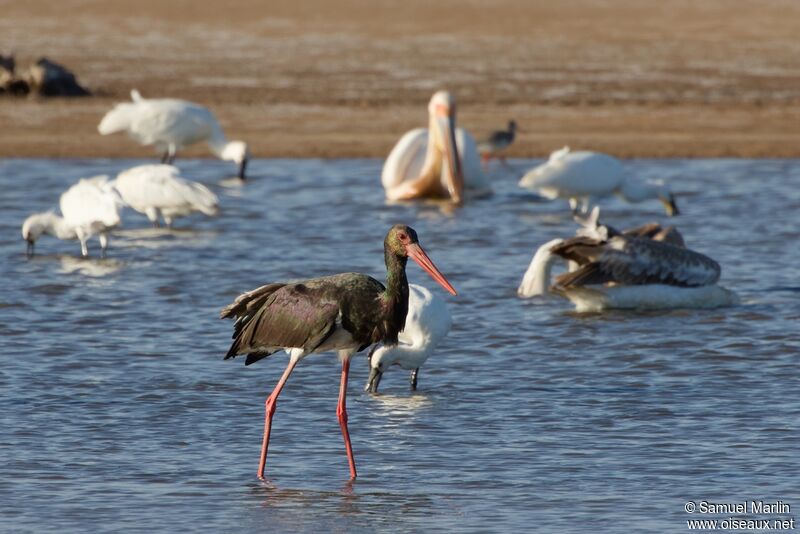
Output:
x=643 y=268
x=170 y=124
x=89 y=207
x=439 y=162
x=427 y=323
x=159 y=190
x=582 y=177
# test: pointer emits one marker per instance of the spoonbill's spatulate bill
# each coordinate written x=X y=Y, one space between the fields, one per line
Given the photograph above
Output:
x=159 y=190
x=170 y=124
x=427 y=323
x=588 y=176
x=440 y=162
x=89 y=207
x=643 y=268
x=344 y=312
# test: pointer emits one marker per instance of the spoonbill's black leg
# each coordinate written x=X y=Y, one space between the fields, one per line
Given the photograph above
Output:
x=414 y=375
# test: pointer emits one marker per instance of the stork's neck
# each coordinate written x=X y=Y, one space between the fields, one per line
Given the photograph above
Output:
x=396 y=281
x=395 y=297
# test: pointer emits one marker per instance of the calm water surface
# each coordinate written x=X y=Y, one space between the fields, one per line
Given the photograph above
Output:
x=119 y=414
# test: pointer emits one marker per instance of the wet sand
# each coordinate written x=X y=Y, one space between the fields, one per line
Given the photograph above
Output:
x=347 y=78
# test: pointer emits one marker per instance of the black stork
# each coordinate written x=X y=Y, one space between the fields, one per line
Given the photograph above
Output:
x=495 y=145
x=345 y=312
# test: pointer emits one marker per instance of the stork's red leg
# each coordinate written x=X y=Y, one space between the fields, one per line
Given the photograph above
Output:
x=271 y=403
x=341 y=412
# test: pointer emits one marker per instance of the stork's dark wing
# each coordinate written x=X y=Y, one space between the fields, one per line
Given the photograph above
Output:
x=275 y=316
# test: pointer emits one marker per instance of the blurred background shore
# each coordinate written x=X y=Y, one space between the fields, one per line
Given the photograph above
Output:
x=316 y=78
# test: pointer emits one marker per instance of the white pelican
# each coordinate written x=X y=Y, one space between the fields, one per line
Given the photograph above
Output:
x=587 y=176
x=438 y=162
x=643 y=268
x=89 y=207
x=170 y=124
x=159 y=190
x=495 y=145
x=427 y=323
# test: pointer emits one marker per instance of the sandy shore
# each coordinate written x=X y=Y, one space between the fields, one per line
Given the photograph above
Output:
x=346 y=78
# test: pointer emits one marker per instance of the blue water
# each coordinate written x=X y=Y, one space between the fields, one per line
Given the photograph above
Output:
x=119 y=414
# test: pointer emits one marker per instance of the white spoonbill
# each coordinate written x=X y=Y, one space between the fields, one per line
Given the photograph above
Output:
x=643 y=268
x=170 y=124
x=587 y=176
x=89 y=207
x=427 y=323
x=159 y=190
x=438 y=162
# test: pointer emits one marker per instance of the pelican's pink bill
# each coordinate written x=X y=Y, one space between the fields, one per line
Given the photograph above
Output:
x=416 y=253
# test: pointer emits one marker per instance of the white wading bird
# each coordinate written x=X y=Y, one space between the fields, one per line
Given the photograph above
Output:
x=586 y=176
x=159 y=190
x=427 y=323
x=438 y=162
x=89 y=207
x=170 y=124
x=643 y=268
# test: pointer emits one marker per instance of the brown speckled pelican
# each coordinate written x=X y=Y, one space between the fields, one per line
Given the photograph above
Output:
x=344 y=312
x=647 y=267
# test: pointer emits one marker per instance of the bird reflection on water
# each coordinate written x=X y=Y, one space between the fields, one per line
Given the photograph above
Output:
x=94 y=267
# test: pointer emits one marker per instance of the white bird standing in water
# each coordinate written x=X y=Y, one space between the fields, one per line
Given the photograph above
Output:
x=427 y=323
x=89 y=207
x=440 y=161
x=642 y=268
x=170 y=124
x=159 y=190
x=586 y=176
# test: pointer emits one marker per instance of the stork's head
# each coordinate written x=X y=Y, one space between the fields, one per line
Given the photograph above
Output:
x=442 y=112
x=403 y=243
